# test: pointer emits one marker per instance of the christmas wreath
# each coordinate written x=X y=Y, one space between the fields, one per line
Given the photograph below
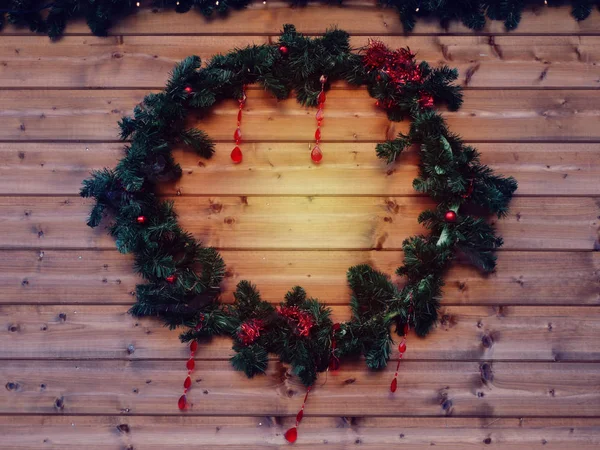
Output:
x=182 y=277
x=52 y=17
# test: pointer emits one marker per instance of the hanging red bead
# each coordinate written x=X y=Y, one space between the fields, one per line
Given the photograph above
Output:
x=171 y=278
x=182 y=403
x=193 y=346
x=190 y=364
x=292 y=434
x=236 y=153
x=187 y=383
x=402 y=346
x=401 y=350
x=316 y=155
x=450 y=216
x=141 y=220
x=394 y=385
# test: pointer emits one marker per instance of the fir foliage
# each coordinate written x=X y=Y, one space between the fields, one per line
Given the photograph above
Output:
x=182 y=277
x=51 y=17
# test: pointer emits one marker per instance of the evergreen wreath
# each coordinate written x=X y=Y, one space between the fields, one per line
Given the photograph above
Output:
x=51 y=17
x=182 y=277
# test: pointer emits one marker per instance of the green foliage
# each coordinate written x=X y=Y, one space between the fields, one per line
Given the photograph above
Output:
x=102 y=14
x=182 y=277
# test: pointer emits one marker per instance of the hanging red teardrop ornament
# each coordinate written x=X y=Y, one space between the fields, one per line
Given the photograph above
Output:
x=402 y=346
x=299 y=416
x=236 y=155
x=190 y=364
x=450 y=216
x=291 y=435
x=187 y=383
x=318 y=135
x=182 y=403
x=316 y=155
x=171 y=278
x=320 y=115
x=239 y=117
x=193 y=346
x=322 y=97
x=141 y=220
x=394 y=385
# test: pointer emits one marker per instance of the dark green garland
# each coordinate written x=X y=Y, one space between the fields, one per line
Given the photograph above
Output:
x=182 y=277
x=101 y=14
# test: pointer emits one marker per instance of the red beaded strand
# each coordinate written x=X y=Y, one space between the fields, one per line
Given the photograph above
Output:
x=292 y=434
x=402 y=347
x=236 y=153
x=190 y=365
x=316 y=155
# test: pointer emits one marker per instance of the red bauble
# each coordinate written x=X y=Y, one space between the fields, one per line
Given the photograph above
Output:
x=141 y=220
x=291 y=435
x=182 y=403
x=283 y=50
x=322 y=97
x=171 y=278
x=394 y=385
x=193 y=346
x=318 y=134
x=236 y=155
x=299 y=416
x=188 y=90
x=187 y=383
x=450 y=216
x=316 y=155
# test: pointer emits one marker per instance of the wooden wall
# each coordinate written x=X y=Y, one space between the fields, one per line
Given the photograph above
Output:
x=515 y=361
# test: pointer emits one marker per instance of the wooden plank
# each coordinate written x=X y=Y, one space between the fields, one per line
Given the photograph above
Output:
x=144 y=61
x=241 y=433
x=284 y=168
x=464 y=333
x=357 y=223
x=498 y=389
x=488 y=115
x=107 y=277
x=354 y=16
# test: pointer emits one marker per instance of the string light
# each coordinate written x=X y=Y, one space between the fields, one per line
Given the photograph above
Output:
x=137 y=4
x=546 y=2
x=417 y=10
x=217 y=3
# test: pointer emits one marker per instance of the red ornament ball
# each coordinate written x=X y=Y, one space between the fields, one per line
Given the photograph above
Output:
x=171 y=278
x=316 y=154
x=141 y=220
x=283 y=50
x=291 y=435
x=188 y=90
x=450 y=216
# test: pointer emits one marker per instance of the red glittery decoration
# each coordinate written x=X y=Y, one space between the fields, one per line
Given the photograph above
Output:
x=301 y=321
x=249 y=331
x=425 y=100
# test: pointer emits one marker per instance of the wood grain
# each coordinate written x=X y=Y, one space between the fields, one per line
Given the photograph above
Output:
x=144 y=61
x=357 y=223
x=337 y=433
x=464 y=333
x=107 y=277
x=488 y=115
x=510 y=389
x=352 y=169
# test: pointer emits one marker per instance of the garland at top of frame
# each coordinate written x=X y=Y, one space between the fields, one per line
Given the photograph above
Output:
x=51 y=17
x=182 y=277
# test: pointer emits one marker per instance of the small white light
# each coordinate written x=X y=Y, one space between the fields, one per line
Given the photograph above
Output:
x=177 y=3
x=217 y=3
x=137 y=4
x=417 y=10
x=264 y=2
x=546 y=2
